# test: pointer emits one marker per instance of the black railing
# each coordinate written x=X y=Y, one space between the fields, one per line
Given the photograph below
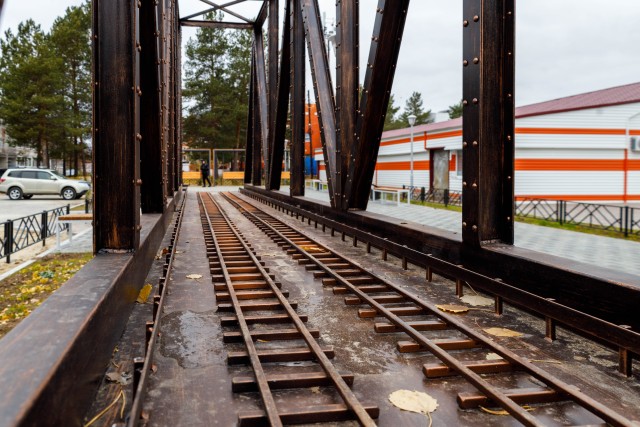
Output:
x=443 y=197
x=618 y=219
x=20 y=233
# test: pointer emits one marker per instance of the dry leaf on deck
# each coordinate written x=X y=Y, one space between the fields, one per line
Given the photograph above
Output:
x=452 y=308
x=194 y=276
x=414 y=401
x=477 y=300
x=118 y=377
x=502 y=332
x=493 y=356
x=144 y=294
x=311 y=249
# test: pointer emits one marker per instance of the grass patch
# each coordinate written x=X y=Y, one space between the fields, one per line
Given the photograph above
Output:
x=22 y=292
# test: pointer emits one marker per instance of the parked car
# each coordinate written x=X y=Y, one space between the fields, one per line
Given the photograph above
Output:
x=26 y=182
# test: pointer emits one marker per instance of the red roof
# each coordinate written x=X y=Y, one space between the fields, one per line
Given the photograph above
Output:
x=601 y=98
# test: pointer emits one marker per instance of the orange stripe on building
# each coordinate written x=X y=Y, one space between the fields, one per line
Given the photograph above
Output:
x=402 y=166
x=570 y=131
x=575 y=165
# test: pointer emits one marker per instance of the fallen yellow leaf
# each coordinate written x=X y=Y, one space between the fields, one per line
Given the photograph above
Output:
x=194 y=276
x=452 y=308
x=414 y=401
x=144 y=294
x=502 y=332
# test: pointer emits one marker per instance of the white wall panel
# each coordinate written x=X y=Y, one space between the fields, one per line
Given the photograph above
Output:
x=568 y=183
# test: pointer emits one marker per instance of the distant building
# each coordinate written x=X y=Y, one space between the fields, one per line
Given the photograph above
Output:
x=14 y=156
x=584 y=147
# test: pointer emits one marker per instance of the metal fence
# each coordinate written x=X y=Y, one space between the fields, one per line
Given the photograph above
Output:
x=619 y=219
x=20 y=233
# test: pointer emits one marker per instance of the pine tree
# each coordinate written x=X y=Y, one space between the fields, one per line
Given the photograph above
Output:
x=390 y=119
x=31 y=101
x=455 y=110
x=414 y=106
x=71 y=38
x=217 y=73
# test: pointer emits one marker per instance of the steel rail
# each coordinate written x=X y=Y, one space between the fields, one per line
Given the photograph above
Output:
x=338 y=382
x=617 y=335
x=261 y=378
x=496 y=395
x=142 y=370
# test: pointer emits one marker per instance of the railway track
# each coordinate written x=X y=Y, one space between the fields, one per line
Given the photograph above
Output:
x=463 y=353
x=264 y=320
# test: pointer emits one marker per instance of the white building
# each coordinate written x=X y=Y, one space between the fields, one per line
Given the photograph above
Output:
x=584 y=147
x=14 y=156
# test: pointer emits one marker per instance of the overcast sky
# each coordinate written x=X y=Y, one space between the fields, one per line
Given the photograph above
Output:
x=563 y=47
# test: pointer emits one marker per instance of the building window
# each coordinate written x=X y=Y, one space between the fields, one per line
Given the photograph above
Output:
x=459 y=163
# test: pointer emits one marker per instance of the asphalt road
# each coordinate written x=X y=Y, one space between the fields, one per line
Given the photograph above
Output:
x=12 y=209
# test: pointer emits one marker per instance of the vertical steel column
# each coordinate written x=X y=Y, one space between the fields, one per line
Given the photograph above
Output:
x=488 y=121
x=325 y=102
x=297 y=100
x=279 y=124
x=272 y=83
x=261 y=105
x=347 y=69
x=381 y=66
x=152 y=190
x=116 y=125
x=177 y=112
x=248 y=154
x=179 y=99
x=255 y=118
x=171 y=170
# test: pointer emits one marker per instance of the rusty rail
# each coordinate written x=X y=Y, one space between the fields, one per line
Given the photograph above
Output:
x=355 y=279
x=230 y=253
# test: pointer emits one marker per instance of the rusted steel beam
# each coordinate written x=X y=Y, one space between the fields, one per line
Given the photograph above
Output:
x=211 y=9
x=178 y=104
x=381 y=66
x=261 y=105
x=297 y=100
x=249 y=144
x=256 y=128
x=347 y=69
x=171 y=74
x=272 y=82
x=215 y=24
x=67 y=350
x=116 y=126
x=325 y=102
x=488 y=121
x=279 y=124
x=152 y=190
x=262 y=15
x=224 y=9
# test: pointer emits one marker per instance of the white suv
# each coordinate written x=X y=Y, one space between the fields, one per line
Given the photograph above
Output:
x=25 y=182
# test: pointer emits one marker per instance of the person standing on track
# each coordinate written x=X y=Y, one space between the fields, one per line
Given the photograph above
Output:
x=204 y=171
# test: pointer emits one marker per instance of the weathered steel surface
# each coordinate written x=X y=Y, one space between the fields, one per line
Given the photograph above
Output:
x=488 y=121
x=325 y=103
x=67 y=342
x=215 y=24
x=116 y=126
x=272 y=84
x=249 y=140
x=261 y=106
x=256 y=127
x=381 y=66
x=297 y=99
x=278 y=124
x=347 y=69
x=152 y=192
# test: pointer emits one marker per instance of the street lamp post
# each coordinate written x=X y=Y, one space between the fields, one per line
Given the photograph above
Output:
x=412 y=121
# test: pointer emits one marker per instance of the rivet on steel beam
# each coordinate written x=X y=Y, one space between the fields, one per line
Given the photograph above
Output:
x=508 y=218
x=476 y=18
x=474 y=228
x=475 y=143
x=474 y=185
x=465 y=23
x=464 y=224
x=476 y=60
x=464 y=144
x=475 y=100
x=509 y=177
x=138 y=137
x=465 y=62
x=464 y=183
x=465 y=102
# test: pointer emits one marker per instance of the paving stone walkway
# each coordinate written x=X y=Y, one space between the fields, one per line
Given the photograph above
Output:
x=615 y=254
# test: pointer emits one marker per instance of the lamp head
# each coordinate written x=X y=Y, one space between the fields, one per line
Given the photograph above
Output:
x=412 y=120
